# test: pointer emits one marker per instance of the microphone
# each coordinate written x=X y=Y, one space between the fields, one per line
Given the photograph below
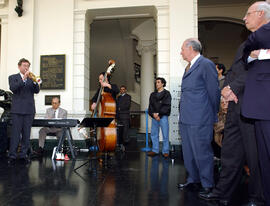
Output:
x=91 y=149
x=84 y=150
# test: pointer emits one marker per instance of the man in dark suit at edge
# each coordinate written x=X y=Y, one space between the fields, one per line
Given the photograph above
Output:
x=239 y=143
x=22 y=111
x=256 y=99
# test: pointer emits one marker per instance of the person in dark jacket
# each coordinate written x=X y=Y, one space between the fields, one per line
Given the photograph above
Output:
x=122 y=114
x=22 y=111
x=160 y=109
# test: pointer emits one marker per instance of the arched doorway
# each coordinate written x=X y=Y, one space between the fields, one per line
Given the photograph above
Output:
x=220 y=39
x=131 y=42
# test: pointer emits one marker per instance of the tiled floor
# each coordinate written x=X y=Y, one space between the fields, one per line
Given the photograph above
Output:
x=127 y=179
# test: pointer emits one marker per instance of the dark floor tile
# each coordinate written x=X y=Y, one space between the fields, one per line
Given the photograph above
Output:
x=129 y=179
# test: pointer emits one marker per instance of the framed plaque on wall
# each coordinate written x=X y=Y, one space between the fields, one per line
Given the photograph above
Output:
x=48 y=99
x=52 y=71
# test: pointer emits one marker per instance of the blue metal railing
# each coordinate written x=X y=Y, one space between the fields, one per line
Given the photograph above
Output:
x=146 y=148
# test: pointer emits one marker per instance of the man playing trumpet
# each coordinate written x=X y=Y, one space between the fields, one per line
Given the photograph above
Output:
x=22 y=111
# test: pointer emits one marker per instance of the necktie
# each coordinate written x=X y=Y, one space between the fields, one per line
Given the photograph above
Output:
x=187 y=67
x=54 y=114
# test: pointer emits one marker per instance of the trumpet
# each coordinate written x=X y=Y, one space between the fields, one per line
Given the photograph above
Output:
x=35 y=78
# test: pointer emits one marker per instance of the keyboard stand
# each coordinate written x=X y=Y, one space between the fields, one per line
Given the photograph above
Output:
x=66 y=133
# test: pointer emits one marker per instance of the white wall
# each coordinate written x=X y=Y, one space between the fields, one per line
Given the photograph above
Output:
x=20 y=36
x=182 y=25
x=53 y=34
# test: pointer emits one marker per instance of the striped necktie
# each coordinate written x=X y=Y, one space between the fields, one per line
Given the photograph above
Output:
x=187 y=67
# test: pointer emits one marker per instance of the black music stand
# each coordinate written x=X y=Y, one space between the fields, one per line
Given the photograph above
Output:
x=94 y=123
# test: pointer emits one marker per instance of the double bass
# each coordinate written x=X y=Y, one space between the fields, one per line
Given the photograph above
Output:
x=106 y=107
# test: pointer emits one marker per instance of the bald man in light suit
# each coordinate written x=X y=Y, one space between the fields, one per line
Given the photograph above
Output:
x=54 y=112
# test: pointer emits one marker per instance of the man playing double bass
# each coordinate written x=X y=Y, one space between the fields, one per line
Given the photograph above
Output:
x=106 y=96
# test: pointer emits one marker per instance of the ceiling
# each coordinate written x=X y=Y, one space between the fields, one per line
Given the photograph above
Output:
x=223 y=2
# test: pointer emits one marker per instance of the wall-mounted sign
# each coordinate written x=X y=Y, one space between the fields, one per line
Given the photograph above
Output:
x=48 y=99
x=52 y=71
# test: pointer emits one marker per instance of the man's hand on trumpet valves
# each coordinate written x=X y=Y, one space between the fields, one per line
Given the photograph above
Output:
x=26 y=75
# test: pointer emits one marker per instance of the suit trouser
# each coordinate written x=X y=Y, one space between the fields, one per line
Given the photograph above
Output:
x=44 y=131
x=123 y=134
x=238 y=146
x=198 y=153
x=262 y=129
x=21 y=129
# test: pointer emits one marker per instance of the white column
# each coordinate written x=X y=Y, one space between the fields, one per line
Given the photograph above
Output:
x=81 y=62
x=147 y=50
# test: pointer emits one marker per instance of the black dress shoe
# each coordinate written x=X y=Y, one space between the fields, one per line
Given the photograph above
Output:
x=209 y=196
x=188 y=185
x=183 y=185
x=205 y=190
x=11 y=161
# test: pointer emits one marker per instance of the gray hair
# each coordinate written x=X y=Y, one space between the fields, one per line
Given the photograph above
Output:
x=195 y=44
x=264 y=6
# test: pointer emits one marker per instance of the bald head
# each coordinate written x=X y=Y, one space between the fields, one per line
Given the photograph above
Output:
x=190 y=48
x=257 y=15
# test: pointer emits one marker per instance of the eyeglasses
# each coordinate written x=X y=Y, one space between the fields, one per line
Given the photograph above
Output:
x=249 y=13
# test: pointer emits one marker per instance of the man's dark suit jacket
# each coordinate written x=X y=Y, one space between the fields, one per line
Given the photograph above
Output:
x=23 y=95
x=236 y=79
x=256 y=100
x=123 y=106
